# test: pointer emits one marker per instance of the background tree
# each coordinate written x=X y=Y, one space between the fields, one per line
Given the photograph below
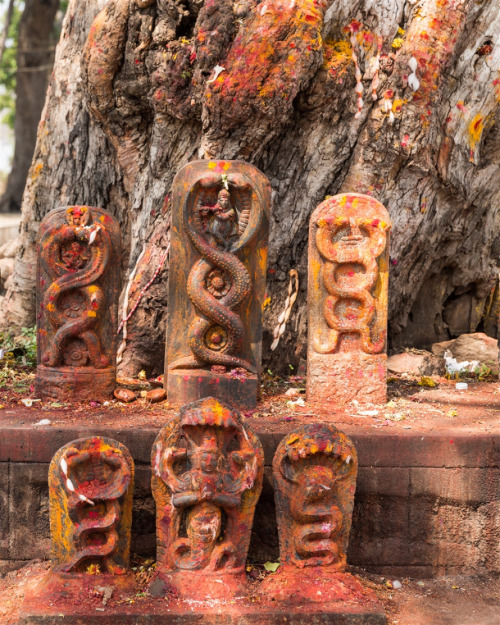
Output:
x=397 y=99
x=25 y=68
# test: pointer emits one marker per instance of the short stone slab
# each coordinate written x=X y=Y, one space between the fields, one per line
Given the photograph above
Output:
x=77 y=600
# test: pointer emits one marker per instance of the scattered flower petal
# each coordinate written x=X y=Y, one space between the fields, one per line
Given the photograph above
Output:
x=43 y=422
x=218 y=69
x=272 y=567
x=28 y=402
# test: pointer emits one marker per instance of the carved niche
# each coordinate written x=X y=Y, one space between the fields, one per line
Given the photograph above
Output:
x=218 y=263
x=207 y=477
x=90 y=488
x=314 y=471
x=347 y=299
x=77 y=303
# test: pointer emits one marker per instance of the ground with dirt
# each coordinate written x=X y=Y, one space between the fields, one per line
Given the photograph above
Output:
x=414 y=404
x=447 y=601
x=427 y=404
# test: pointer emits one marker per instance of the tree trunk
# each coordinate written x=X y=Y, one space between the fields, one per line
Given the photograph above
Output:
x=127 y=108
x=34 y=64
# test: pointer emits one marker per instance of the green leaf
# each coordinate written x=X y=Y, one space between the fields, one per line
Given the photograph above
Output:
x=272 y=567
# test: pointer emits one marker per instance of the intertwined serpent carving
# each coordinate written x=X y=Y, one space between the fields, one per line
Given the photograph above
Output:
x=314 y=472
x=317 y=519
x=216 y=335
x=350 y=272
x=93 y=503
x=78 y=278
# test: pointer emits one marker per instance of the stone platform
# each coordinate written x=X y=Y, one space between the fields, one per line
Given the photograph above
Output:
x=426 y=501
x=76 y=600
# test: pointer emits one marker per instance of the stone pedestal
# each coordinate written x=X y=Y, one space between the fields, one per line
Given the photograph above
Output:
x=78 y=282
x=76 y=599
x=187 y=386
x=84 y=383
x=217 y=281
x=348 y=376
x=347 y=300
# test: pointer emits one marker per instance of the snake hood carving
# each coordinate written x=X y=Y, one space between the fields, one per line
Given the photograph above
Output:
x=76 y=255
x=314 y=471
x=351 y=235
x=90 y=493
x=207 y=477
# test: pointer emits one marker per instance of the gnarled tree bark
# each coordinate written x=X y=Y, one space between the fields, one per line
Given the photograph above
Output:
x=322 y=97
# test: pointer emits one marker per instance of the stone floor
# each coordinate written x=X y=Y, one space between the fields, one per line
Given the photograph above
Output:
x=446 y=601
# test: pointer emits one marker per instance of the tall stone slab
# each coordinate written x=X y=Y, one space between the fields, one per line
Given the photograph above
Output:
x=347 y=300
x=90 y=488
x=207 y=477
x=314 y=472
x=78 y=284
x=90 y=496
x=218 y=263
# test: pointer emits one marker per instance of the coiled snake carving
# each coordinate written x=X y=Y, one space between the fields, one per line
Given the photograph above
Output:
x=352 y=251
x=82 y=280
x=318 y=520
x=94 y=505
x=218 y=241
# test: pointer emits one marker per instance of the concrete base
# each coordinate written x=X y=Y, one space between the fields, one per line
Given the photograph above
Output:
x=77 y=600
x=75 y=383
x=186 y=385
x=347 y=376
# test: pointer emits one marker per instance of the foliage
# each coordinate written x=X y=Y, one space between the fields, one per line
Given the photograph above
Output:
x=481 y=373
x=8 y=67
x=427 y=381
x=19 y=349
x=15 y=379
x=271 y=567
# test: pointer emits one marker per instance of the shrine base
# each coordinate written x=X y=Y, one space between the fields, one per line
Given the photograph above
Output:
x=75 y=383
x=186 y=385
x=347 y=376
x=76 y=600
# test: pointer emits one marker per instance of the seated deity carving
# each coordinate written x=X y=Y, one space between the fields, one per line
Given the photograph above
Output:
x=207 y=476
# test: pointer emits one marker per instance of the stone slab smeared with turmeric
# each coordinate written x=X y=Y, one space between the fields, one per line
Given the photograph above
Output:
x=77 y=303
